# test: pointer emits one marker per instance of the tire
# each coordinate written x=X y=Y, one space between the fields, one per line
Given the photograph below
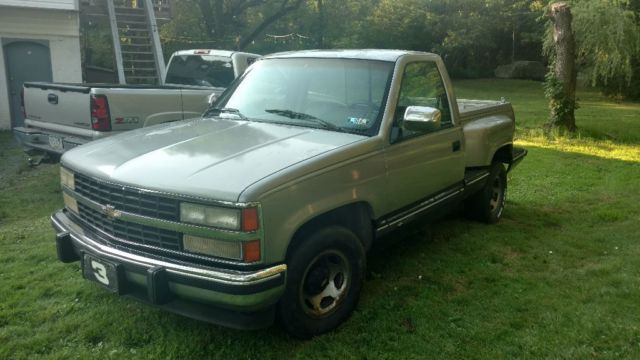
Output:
x=488 y=204
x=324 y=278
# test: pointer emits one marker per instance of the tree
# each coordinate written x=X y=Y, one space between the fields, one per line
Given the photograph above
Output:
x=560 y=86
x=472 y=36
x=186 y=30
x=221 y=17
x=223 y=24
x=610 y=57
x=606 y=54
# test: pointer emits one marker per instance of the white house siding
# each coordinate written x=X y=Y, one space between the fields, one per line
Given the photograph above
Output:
x=43 y=4
x=59 y=27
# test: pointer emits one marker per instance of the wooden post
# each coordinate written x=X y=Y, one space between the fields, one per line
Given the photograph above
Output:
x=564 y=67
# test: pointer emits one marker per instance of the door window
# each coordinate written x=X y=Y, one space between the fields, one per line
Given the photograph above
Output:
x=421 y=85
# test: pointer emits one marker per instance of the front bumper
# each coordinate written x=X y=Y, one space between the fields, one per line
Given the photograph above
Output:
x=233 y=298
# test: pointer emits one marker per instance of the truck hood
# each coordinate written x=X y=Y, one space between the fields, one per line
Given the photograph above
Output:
x=212 y=158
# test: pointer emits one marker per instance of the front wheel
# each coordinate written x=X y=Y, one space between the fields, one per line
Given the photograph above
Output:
x=324 y=278
x=488 y=204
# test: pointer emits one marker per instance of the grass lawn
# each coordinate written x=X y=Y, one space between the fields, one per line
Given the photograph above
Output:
x=559 y=276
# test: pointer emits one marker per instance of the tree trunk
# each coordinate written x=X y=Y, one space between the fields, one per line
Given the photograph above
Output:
x=564 y=67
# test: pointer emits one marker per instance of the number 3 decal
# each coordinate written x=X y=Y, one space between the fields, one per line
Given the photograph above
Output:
x=100 y=272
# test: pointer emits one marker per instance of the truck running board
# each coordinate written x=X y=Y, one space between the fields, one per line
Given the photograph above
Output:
x=421 y=208
x=517 y=155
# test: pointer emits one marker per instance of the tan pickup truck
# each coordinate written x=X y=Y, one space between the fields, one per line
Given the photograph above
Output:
x=59 y=117
x=266 y=206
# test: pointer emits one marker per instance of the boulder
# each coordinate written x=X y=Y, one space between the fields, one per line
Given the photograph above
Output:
x=530 y=70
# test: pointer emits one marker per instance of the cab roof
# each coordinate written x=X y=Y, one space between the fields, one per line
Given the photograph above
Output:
x=364 y=54
x=214 y=52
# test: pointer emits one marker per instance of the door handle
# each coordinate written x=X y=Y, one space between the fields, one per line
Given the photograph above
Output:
x=53 y=99
x=455 y=146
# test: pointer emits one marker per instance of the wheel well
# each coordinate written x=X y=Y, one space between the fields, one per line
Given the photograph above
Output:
x=504 y=154
x=357 y=217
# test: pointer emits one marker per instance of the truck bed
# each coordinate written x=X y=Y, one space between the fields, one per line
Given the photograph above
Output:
x=474 y=109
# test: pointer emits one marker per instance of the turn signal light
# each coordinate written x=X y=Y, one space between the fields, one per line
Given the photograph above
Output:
x=250 y=219
x=251 y=251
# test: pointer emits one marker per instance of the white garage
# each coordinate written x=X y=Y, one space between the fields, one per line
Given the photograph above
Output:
x=39 y=41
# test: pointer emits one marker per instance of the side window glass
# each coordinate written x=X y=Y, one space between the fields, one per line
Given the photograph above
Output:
x=421 y=85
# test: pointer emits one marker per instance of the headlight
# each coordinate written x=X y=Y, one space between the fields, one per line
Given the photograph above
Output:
x=67 y=178
x=218 y=248
x=220 y=217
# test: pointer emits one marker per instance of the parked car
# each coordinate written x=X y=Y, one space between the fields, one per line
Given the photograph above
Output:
x=267 y=205
x=59 y=117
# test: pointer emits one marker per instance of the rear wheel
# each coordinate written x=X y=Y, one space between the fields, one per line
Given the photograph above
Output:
x=324 y=278
x=488 y=204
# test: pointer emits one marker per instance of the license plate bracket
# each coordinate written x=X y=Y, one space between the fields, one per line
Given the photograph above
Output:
x=103 y=272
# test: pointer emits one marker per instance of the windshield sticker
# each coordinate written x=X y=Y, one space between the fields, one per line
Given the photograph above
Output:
x=364 y=122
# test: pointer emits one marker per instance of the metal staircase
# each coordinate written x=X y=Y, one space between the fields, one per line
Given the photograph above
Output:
x=136 y=41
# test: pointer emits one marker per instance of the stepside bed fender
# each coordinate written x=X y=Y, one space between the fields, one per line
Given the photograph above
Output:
x=485 y=137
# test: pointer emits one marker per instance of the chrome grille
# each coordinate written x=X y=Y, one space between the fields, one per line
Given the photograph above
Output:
x=133 y=201
x=127 y=199
x=135 y=233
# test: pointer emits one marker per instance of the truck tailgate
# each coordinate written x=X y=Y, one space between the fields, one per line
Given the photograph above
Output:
x=58 y=104
x=132 y=108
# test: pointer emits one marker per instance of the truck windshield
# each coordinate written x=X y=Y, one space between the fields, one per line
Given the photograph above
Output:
x=200 y=70
x=335 y=94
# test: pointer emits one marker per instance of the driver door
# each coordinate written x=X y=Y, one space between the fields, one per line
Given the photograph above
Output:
x=422 y=164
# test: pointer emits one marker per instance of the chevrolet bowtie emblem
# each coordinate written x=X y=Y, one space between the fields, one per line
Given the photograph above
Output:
x=111 y=212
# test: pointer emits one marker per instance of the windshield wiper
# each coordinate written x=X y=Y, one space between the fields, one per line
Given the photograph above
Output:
x=306 y=117
x=218 y=111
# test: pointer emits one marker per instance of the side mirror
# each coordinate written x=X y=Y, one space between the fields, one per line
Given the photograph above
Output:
x=422 y=118
x=212 y=98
